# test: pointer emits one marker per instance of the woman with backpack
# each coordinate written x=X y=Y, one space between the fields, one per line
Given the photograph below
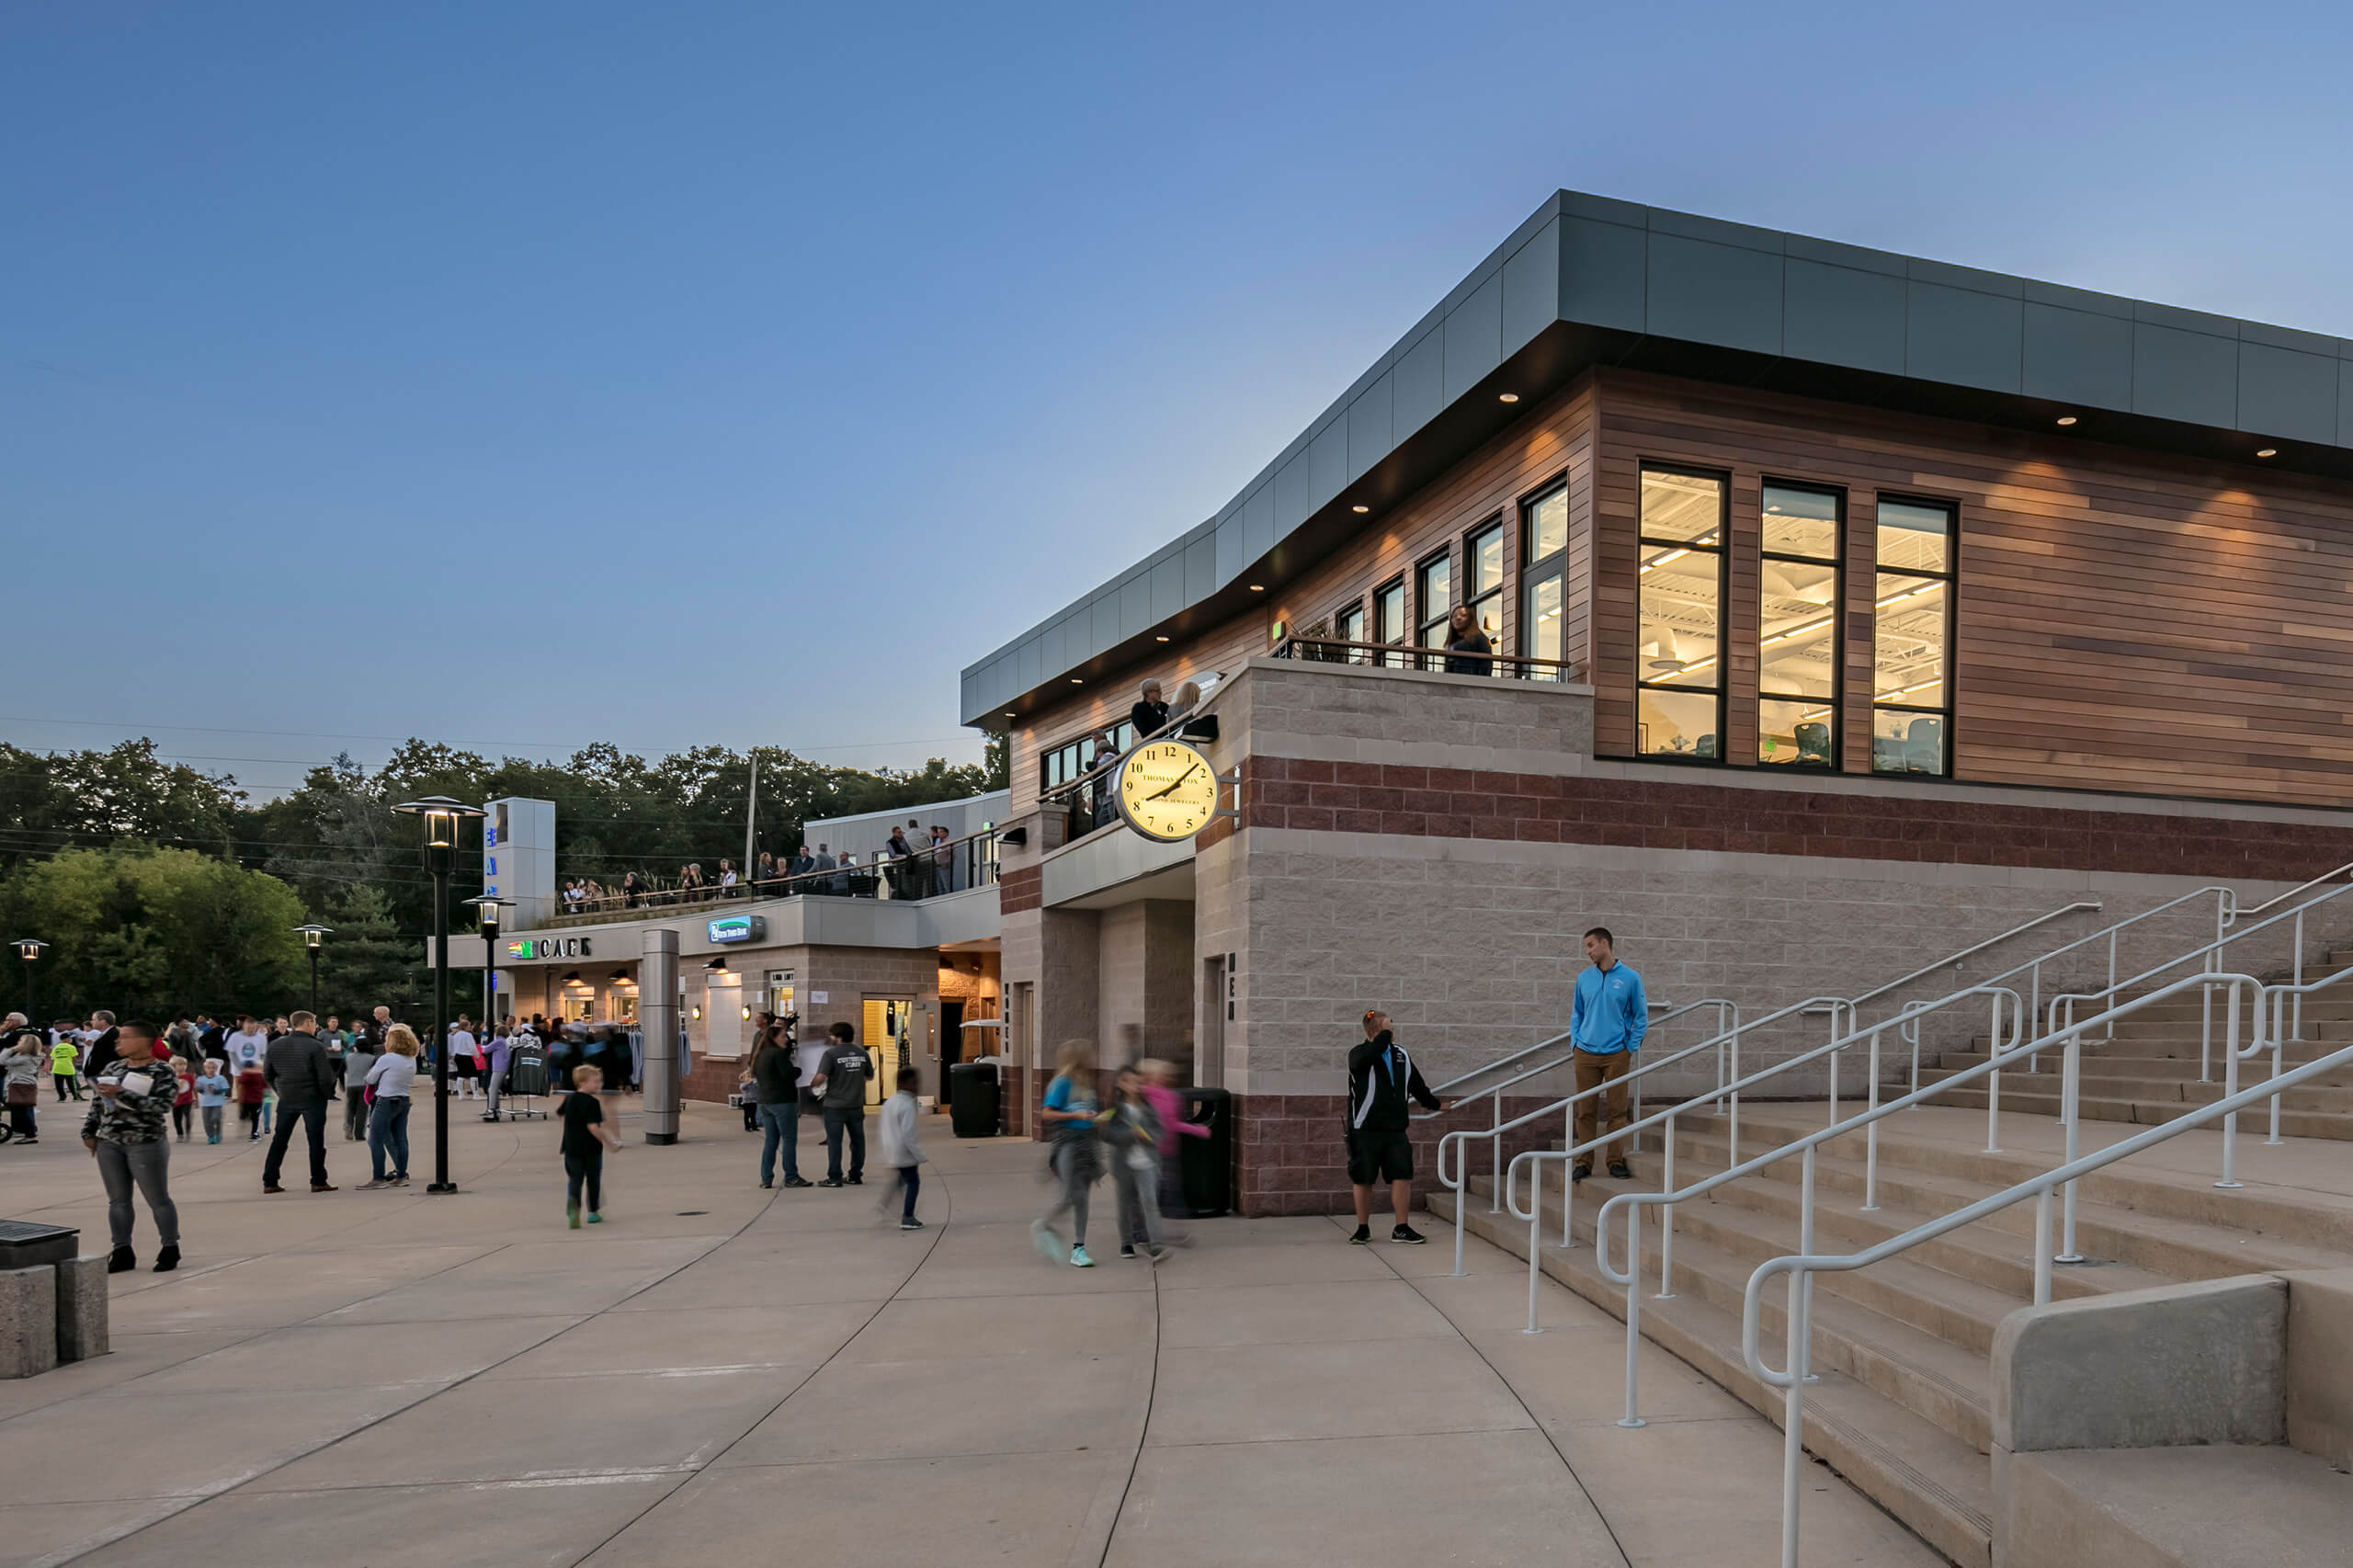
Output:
x=1069 y=1115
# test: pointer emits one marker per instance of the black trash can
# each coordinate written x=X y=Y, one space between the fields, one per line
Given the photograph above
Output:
x=1206 y=1164
x=972 y=1099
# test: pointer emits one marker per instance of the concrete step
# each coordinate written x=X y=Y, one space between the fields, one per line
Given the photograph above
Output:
x=2135 y=1060
x=2105 y=1080
x=2032 y=1098
x=1935 y=1483
x=2178 y=1507
x=2182 y=1047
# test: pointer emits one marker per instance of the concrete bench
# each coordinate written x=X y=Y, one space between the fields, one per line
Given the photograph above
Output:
x=52 y=1303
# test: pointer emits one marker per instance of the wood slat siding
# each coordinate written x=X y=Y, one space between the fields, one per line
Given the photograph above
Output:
x=1554 y=442
x=2127 y=620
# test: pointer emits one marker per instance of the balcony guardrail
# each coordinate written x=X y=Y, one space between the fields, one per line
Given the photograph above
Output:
x=1430 y=661
x=953 y=865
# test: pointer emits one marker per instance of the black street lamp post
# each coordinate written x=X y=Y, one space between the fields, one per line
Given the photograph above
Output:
x=314 y=936
x=29 y=950
x=441 y=816
x=486 y=911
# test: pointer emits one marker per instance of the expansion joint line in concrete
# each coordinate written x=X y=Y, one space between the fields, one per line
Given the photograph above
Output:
x=1534 y=1420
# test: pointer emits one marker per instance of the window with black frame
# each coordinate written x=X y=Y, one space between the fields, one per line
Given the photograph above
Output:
x=1389 y=620
x=1348 y=626
x=1678 y=660
x=1433 y=599
x=1797 y=626
x=1911 y=637
x=1483 y=581
x=1543 y=578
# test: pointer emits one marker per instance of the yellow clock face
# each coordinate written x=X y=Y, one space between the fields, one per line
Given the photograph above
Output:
x=1167 y=790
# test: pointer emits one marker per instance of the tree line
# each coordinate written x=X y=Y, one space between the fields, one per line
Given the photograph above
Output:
x=163 y=889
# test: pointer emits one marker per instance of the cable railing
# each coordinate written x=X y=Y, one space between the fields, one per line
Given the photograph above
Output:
x=1803 y=1266
x=927 y=870
x=1413 y=657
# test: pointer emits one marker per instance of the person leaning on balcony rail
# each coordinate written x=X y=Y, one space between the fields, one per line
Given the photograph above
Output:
x=1606 y=1027
x=1381 y=1077
x=1150 y=713
x=1463 y=638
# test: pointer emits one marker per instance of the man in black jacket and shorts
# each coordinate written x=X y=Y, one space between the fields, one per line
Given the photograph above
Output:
x=1382 y=1078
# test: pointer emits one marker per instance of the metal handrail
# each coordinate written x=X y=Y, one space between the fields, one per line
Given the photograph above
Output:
x=1803 y=1266
x=1394 y=656
x=1721 y=1004
x=2078 y=907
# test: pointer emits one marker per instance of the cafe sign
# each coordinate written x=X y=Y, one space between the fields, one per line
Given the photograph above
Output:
x=527 y=947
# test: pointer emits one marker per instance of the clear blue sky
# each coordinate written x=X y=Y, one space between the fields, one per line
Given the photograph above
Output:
x=522 y=375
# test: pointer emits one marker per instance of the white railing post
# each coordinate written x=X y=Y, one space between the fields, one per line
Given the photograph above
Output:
x=1871 y=1134
x=2071 y=1078
x=1461 y=1193
x=1633 y=1309
x=2110 y=992
x=1496 y=1153
x=1993 y=1081
x=1667 y=1220
x=2299 y=981
x=2230 y=1087
x=1535 y=1221
x=2274 y=1141
x=1794 y=1419
x=2042 y=1247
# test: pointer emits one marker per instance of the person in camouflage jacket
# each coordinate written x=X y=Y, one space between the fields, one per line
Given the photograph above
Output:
x=126 y=1131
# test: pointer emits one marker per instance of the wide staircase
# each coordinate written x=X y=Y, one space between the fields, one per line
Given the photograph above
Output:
x=2150 y=1072
x=1903 y=1405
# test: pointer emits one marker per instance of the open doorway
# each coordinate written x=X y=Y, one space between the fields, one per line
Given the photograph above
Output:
x=888 y=1037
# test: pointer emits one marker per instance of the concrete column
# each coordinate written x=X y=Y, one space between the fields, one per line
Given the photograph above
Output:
x=82 y=1308
x=657 y=1012
x=28 y=1321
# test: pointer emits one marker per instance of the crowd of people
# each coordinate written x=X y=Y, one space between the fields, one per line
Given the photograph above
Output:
x=915 y=863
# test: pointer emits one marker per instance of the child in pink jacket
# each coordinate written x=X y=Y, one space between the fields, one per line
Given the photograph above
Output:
x=1160 y=1093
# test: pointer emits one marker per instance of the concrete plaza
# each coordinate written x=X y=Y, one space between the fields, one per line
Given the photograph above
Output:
x=719 y=1375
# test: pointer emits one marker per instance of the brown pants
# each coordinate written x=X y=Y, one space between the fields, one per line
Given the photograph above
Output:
x=1608 y=1107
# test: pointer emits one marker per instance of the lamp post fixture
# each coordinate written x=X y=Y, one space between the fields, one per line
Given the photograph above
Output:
x=441 y=816
x=314 y=938
x=486 y=912
x=31 y=950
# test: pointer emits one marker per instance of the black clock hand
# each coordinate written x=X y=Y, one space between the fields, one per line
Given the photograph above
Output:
x=1173 y=783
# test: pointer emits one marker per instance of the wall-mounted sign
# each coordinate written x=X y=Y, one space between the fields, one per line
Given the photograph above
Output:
x=738 y=928
x=549 y=947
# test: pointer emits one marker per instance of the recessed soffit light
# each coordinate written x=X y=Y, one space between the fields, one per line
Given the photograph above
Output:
x=1257 y=588
x=1359 y=508
x=1508 y=397
x=2268 y=452
x=2066 y=419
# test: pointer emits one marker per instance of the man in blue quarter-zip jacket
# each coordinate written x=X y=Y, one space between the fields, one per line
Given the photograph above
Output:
x=1605 y=1026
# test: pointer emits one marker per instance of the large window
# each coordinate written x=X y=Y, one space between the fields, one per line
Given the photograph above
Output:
x=1678 y=660
x=1797 y=626
x=1348 y=626
x=1389 y=619
x=1543 y=580
x=1912 y=638
x=1483 y=580
x=1433 y=598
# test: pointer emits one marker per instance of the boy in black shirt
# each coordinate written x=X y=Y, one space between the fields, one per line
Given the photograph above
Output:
x=1380 y=1078
x=584 y=1138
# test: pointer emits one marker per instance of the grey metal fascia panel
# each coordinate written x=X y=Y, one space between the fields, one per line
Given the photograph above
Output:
x=2285 y=392
x=2345 y=402
x=1230 y=549
x=1104 y=620
x=1033 y=662
x=1604 y=274
x=1258 y=529
x=1716 y=231
x=1135 y=606
x=1420 y=387
x=2185 y=321
x=2288 y=337
x=1200 y=568
x=1961 y=336
x=1859 y=258
x=1531 y=288
x=2077 y=356
x=1839 y=315
x=2187 y=376
x=1370 y=437
x=1947 y=276
x=1602 y=209
x=1328 y=464
x=1168 y=585
x=1474 y=339
x=2078 y=300
x=1704 y=292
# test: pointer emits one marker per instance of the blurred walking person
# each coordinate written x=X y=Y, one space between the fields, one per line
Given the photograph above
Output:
x=1068 y=1114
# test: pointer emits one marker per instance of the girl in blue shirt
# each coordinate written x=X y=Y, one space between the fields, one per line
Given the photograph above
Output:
x=1069 y=1115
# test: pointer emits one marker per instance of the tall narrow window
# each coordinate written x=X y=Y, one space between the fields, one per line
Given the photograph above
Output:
x=1348 y=626
x=1389 y=620
x=1434 y=593
x=1678 y=660
x=1797 y=626
x=1912 y=640
x=1543 y=576
x=1483 y=581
